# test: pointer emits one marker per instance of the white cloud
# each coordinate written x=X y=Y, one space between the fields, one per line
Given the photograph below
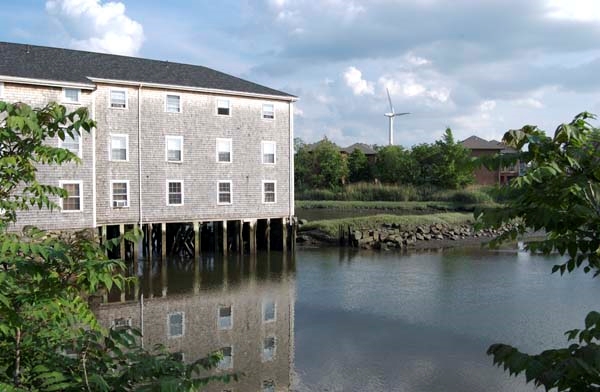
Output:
x=408 y=85
x=416 y=60
x=487 y=106
x=576 y=10
x=529 y=102
x=354 y=80
x=96 y=26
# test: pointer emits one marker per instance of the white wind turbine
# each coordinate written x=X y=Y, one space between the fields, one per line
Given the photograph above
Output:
x=391 y=116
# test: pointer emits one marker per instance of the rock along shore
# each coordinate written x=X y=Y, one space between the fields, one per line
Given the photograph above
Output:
x=391 y=236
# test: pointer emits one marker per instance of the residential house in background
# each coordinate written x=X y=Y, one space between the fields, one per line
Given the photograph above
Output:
x=173 y=143
x=483 y=176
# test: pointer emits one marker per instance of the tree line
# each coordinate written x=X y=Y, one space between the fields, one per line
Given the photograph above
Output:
x=443 y=164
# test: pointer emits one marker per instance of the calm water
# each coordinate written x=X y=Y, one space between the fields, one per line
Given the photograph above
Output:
x=365 y=321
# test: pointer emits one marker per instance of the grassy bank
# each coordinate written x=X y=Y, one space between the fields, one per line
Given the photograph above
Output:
x=392 y=206
x=405 y=193
x=331 y=227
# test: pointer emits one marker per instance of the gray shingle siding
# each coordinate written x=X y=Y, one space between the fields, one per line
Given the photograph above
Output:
x=199 y=125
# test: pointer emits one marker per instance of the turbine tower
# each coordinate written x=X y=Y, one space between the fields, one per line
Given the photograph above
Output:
x=391 y=116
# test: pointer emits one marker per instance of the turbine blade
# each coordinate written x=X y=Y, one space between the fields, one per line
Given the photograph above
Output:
x=401 y=114
x=390 y=100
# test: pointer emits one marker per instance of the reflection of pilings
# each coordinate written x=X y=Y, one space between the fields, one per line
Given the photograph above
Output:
x=197 y=276
x=225 y=274
x=164 y=277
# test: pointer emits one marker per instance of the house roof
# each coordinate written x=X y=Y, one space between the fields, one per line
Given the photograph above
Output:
x=365 y=148
x=75 y=66
x=477 y=143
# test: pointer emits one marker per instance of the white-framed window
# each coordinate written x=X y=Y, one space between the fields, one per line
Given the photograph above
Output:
x=119 y=193
x=268 y=111
x=224 y=150
x=1 y=89
x=269 y=310
x=174 y=148
x=71 y=143
x=268 y=386
x=225 y=317
x=173 y=103
x=71 y=95
x=269 y=193
x=119 y=147
x=268 y=151
x=223 y=107
x=74 y=201
x=175 y=324
x=269 y=347
x=227 y=361
x=224 y=192
x=174 y=193
x=118 y=98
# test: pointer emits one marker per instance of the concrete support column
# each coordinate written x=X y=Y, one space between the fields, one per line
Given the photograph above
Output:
x=224 y=233
x=197 y=244
x=122 y=242
x=268 y=235
x=163 y=247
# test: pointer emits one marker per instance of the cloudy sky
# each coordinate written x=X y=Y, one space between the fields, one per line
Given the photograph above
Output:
x=478 y=66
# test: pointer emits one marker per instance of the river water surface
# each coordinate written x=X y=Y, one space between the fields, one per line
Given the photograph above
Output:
x=340 y=320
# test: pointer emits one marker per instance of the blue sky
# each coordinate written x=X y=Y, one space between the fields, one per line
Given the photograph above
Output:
x=479 y=67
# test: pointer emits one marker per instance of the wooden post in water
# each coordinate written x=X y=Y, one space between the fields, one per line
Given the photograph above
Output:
x=163 y=247
x=150 y=241
x=197 y=229
x=224 y=240
x=122 y=242
x=268 y=234
x=103 y=235
x=284 y=233
x=294 y=233
x=136 y=248
x=252 y=239
x=240 y=236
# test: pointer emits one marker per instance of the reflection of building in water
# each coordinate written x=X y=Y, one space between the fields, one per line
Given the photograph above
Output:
x=249 y=315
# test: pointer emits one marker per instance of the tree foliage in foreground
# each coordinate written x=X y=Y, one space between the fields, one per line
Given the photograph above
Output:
x=50 y=339
x=560 y=194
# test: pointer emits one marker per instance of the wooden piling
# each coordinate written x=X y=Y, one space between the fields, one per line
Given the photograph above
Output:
x=151 y=244
x=240 y=237
x=122 y=242
x=163 y=247
x=197 y=229
x=136 y=246
x=268 y=235
x=103 y=235
x=294 y=233
x=224 y=239
x=252 y=239
x=284 y=233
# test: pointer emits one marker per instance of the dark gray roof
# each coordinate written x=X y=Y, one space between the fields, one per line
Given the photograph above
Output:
x=66 y=65
x=477 y=143
x=365 y=148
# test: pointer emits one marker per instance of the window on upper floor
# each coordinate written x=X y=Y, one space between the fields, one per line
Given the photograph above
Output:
x=268 y=149
x=118 y=98
x=269 y=192
x=71 y=143
x=227 y=361
x=71 y=95
x=224 y=153
x=223 y=107
x=119 y=147
x=173 y=103
x=269 y=310
x=268 y=111
x=176 y=324
x=119 y=194
x=224 y=192
x=268 y=351
x=174 y=148
x=174 y=193
x=73 y=201
x=225 y=317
